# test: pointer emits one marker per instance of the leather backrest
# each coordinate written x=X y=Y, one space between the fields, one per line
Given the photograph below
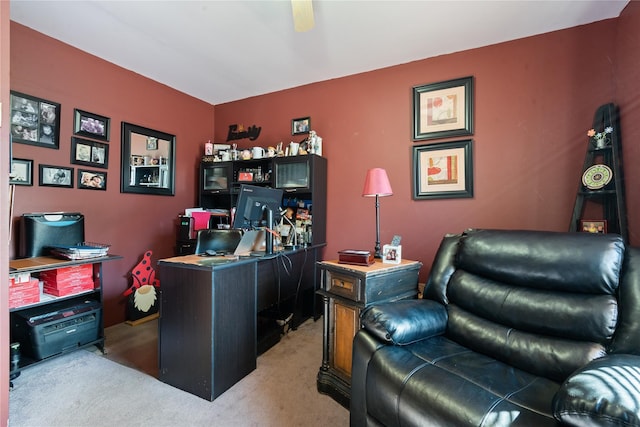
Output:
x=441 y=270
x=627 y=337
x=544 y=302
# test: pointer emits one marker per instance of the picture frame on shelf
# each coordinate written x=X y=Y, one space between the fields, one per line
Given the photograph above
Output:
x=35 y=121
x=594 y=226
x=443 y=109
x=55 y=176
x=136 y=160
x=89 y=153
x=92 y=180
x=21 y=172
x=443 y=170
x=91 y=125
x=300 y=125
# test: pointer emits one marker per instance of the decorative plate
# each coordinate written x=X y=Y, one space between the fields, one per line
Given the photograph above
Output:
x=597 y=176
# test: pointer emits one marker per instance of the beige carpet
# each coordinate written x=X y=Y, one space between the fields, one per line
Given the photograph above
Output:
x=85 y=388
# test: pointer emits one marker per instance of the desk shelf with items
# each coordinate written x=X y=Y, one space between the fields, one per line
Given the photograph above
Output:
x=150 y=176
x=63 y=315
x=302 y=178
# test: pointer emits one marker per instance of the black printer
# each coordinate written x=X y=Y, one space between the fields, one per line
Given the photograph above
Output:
x=58 y=327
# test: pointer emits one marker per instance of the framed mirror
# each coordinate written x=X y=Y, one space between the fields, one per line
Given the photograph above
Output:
x=148 y=161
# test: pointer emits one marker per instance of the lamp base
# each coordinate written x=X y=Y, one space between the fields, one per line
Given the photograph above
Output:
x=377 y=253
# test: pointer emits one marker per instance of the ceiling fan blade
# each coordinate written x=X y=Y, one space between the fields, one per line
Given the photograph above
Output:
x=302 y=15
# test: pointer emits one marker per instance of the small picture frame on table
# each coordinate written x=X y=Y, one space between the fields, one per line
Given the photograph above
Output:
x=593 y=226
x=391 y=254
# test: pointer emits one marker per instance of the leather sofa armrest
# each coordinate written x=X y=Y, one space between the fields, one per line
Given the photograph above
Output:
x=605 y=392
x=405 y=322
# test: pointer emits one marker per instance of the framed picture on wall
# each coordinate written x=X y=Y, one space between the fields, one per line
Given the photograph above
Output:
x=443 y=170
x=443 y=110
x=92 y=180
x=152 y=143
x=300 y=125
x=35 y=121
x=90 y=125
x=56 y=176
x=89 y=153
x=21 y=172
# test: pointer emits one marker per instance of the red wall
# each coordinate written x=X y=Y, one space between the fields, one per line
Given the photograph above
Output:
x=131 y=223
x=627 y=90
x=534 y=102
x=4 y=215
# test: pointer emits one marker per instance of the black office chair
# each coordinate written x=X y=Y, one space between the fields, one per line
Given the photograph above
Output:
x=218 y=241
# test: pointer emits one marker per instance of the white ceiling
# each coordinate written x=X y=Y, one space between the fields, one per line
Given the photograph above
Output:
x=221 y=51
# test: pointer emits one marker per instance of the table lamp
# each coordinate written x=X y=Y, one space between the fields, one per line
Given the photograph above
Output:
x=377 y=184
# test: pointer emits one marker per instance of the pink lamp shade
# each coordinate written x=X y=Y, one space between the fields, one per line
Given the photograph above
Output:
x=377 y=183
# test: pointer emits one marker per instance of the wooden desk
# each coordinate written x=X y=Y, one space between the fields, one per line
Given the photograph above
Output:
x=207 y=327
x=347 y=290
x=208 y=332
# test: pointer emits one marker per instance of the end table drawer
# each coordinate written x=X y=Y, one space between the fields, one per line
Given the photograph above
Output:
x=344 y=285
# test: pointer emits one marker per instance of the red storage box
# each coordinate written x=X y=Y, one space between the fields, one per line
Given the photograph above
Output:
x=78 y=271
x=61 y=291
x=26 y=293
x=68 y=280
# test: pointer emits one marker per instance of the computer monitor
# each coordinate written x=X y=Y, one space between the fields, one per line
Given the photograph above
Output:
x=254 y=204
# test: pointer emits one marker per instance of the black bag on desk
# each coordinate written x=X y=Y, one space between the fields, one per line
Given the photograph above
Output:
x=39 y=230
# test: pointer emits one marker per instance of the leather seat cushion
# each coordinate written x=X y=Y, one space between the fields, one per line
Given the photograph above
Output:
x=439 y=382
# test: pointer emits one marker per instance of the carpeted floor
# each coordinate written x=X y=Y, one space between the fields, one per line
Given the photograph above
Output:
x=85 y=388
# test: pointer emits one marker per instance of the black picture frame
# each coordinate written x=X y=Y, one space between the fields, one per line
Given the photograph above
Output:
x=21 y=172
x=89 y=153
x=55 y=176
x=443 y=170
x=35 y=121
x=300 y=125
x=443 y=109
x=91 y=125
x=92 y=180
x=143 y=168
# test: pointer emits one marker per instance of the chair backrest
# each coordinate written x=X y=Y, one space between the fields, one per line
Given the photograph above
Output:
x=541 y=301
x=217 y=240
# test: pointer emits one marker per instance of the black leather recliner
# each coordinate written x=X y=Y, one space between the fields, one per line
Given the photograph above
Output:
x=525 y=328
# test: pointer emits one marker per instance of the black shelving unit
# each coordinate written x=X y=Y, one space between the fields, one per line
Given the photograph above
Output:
x=303 y=180
x=611 y=196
